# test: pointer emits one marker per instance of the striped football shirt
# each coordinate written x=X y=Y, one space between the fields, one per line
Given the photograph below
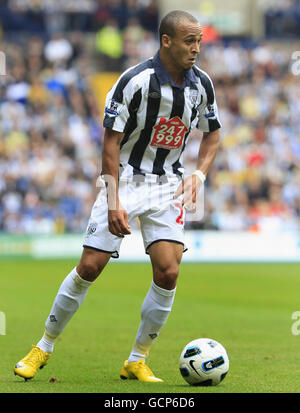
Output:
x=156 y=116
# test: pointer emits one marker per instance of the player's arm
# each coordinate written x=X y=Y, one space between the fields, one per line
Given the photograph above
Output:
x=190 y=186
x=117 y=216
x=208 y=150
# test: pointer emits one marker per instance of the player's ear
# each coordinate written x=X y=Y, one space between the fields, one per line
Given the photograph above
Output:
x=166 y=40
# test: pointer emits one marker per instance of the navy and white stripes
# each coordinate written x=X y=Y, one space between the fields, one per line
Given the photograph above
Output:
x=156 y=116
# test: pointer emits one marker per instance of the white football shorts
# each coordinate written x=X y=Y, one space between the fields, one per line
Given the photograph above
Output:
x=161 y=217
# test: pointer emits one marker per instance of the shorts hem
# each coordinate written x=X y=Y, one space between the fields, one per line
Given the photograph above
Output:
x=100 y=250
x=168 y=240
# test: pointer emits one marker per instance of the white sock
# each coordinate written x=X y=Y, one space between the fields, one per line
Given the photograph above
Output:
x=69 y=298
x=154 y=314
x=46 y=343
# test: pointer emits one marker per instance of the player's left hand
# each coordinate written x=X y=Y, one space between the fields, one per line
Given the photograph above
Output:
x=189 y=188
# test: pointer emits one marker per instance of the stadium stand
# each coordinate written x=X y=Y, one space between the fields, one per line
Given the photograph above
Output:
x=51 y=122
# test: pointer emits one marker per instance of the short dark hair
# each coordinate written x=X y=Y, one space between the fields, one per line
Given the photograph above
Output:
x=171 y=20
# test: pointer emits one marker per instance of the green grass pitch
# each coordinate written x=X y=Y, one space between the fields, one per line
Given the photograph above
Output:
x=246 y=307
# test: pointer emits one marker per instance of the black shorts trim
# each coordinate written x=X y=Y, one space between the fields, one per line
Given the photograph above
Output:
x=167 y=240
x=98 y=249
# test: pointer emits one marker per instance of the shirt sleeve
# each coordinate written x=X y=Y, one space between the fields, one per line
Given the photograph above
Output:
x=208 y=111
x=116 y=112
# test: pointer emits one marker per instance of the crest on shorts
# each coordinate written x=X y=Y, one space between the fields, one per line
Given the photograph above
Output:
x=91 y=228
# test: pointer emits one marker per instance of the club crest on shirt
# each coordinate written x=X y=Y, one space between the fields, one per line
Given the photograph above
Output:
x=113 y=108
x=194 y=96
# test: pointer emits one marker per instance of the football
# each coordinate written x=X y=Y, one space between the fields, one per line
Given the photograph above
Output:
x=203 y=362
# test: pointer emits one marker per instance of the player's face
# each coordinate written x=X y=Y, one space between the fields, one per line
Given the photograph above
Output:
x=184 y=47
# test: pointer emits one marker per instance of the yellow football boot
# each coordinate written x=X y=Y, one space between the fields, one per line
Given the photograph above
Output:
x=138 y=370
x=29 y=365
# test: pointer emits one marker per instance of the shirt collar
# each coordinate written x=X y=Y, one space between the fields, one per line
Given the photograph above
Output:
x=164 y=77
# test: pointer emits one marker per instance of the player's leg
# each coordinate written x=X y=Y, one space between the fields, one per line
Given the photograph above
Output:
x=71 y=295
x=99 y=246
x=69 y=298
x=165 y=258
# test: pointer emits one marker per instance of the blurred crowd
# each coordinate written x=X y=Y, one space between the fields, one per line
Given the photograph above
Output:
x=49 y=16
x=282 y=19
x=254 y=183
x=124 y=31
x=51 y=130
x=51 y=125
x=50 y=138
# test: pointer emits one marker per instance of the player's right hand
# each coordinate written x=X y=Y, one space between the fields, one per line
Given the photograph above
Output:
x=118 y=222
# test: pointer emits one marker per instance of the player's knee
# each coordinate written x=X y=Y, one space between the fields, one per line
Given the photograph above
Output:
x=91 y=264
x=89 y=270
x=165 y=275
